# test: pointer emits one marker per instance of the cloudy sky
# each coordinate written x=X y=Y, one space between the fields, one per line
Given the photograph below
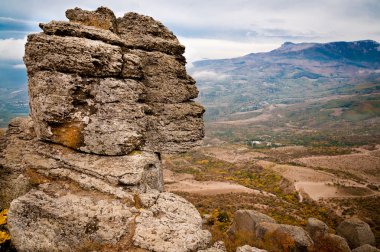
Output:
x=208 y=29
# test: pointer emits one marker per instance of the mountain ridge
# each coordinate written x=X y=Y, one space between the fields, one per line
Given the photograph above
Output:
x=290 y=72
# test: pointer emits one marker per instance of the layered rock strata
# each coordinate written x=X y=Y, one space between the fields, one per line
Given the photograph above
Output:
x=110 y=86
x=83 y=173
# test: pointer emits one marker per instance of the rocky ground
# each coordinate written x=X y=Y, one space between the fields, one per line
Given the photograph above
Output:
x=290 y=189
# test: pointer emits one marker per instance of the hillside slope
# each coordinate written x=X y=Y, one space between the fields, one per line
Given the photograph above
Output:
x=290 y=74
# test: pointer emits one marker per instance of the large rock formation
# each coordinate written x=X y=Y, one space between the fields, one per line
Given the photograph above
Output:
x=83 y=173
x=110 y=86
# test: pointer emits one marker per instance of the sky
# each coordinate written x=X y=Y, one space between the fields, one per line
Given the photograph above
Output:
x=209 y=29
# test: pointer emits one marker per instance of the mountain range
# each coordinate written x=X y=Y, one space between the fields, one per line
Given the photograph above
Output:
x=290 y=74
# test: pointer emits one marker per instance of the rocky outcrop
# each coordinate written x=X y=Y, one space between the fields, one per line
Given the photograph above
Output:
x=245 y=222
x=324 y=241
x=26 y=160
x=83 y=173
x=316 y=228
x=282 y=237
x=356 y=232
x=59 y=217
x=110 y=86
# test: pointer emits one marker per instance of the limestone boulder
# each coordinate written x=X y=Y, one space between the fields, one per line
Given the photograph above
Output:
x=63 y=217
x=331 y=243
x=57 y=219
x=316 y=228
x=356 y=232
x=246 y=221
x=324 y=241
x=171 y=224
x=282 y=237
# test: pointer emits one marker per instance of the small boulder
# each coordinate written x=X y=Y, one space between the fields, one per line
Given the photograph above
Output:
x=245 y=222
x=366 y=248
x=281 y=237
x=331 y=243
x=316 y=228
x=356 y=232
x=247 y=248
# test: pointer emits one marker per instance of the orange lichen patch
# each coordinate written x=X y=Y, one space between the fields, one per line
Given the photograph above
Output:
x=138 y=202
x=102 y=24
x=3 y=216
x=4 y=236
x=35 y=178
x=68 y=134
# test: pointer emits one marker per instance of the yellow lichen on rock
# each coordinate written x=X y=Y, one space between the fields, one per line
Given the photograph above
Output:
x=68 y=134
x=3 y=216
x=4 y=236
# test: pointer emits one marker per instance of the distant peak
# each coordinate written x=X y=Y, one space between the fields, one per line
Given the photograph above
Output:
x=287 y=43
x=292 y=47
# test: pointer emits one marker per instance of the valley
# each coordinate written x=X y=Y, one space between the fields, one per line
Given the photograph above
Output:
x=289 y=183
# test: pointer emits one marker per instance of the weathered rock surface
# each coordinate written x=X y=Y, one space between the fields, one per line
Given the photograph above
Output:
x=72 y=55
x=245 y=222
x=217 y=247
x=316 y=228
x=247 y=248
x=331 y=243
x=116 y=175
x=60 y=217
x=356 y=232
x=171 y=224
x=366 y=248
x=102 y=18
x=323 y=241
x=85 y=200
x=83 y=172
x=110 y=86
x=143 y=32
x=283 y=237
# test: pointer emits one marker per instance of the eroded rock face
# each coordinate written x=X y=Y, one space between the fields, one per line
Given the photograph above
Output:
x=159 y=228
x=356 y=232
x=83 y=172
x=61 y=217
x=245 y=222
x=116 y=175
x=110 y=86
x=284 y=237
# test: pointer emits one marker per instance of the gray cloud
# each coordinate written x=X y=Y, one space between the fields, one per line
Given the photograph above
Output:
x=251 y=24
